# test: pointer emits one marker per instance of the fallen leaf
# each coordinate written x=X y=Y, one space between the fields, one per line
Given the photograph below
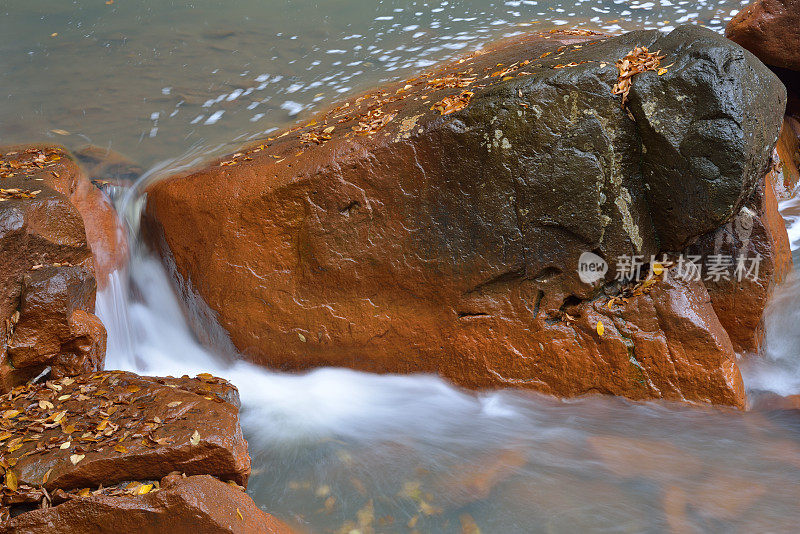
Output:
x=75 y=458
x=239 y=513
x=11 y=480
x=65 y=445
x=144 y=489
x=175 y=404
x=195 y=439
x=600 y=328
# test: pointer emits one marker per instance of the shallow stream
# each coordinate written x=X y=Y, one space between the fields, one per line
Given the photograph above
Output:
x=170 y=83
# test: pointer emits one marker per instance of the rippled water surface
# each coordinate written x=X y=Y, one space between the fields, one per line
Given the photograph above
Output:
x=340 y=451
x=152 y=78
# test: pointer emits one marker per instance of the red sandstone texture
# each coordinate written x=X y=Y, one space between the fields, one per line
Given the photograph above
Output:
x=770 y=29
x=435 y=225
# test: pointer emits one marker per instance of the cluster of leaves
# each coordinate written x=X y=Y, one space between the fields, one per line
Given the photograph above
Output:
x=17 y=194
x=12 y=163
x=638 y=60
x=453 y=103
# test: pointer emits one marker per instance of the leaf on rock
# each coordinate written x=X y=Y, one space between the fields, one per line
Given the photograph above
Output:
x=600 y=328
x=195 y=439
x=75 y=458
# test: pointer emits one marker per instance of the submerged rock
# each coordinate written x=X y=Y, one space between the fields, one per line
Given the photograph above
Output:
x=435 y=225
x=115 y=430
x=182 y=505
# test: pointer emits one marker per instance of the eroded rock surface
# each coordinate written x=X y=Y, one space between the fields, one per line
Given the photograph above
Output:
x=64 y=439
x=435 y=225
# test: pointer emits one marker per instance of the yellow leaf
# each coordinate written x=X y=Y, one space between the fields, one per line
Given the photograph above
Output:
x=205 y=376
x=11 y=480
x=144 y=489
x=239 y=513
x=84 y=492
x=65 y=445
x=302 y=337
x=46 y=476
x=75 y=458
x=11 y=414
x=121 y=448
x=175 y=404
x=600 y=328
x=195 y=439
x=657 y=268
x=662 y=71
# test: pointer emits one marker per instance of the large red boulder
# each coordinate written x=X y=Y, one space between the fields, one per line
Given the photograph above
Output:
x=435 y=225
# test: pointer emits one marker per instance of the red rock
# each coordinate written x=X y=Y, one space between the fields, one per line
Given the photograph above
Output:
x=475 y=480
x=757 y=231
x=104 y=234
x=183 y=505
x=117 y=426
x=449 y=243
x=789 y=154
x=770 y=29
x=653 y=459
x=47 y=284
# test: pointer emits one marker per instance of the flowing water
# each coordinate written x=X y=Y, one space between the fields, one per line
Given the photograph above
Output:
x=339 y=451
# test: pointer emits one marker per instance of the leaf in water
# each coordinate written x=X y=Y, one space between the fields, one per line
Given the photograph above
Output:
x=75 y=458
x=195 y=439
x=302 y=337
x=600 y=328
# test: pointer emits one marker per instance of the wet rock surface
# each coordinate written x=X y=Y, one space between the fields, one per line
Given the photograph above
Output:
x=771 y=30
x=112 y=435
x=435 y=225
x=47 y=283
x=757 y=231
x=181 y=505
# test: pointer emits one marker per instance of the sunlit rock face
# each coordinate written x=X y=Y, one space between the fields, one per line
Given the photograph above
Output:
x=435 y=224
